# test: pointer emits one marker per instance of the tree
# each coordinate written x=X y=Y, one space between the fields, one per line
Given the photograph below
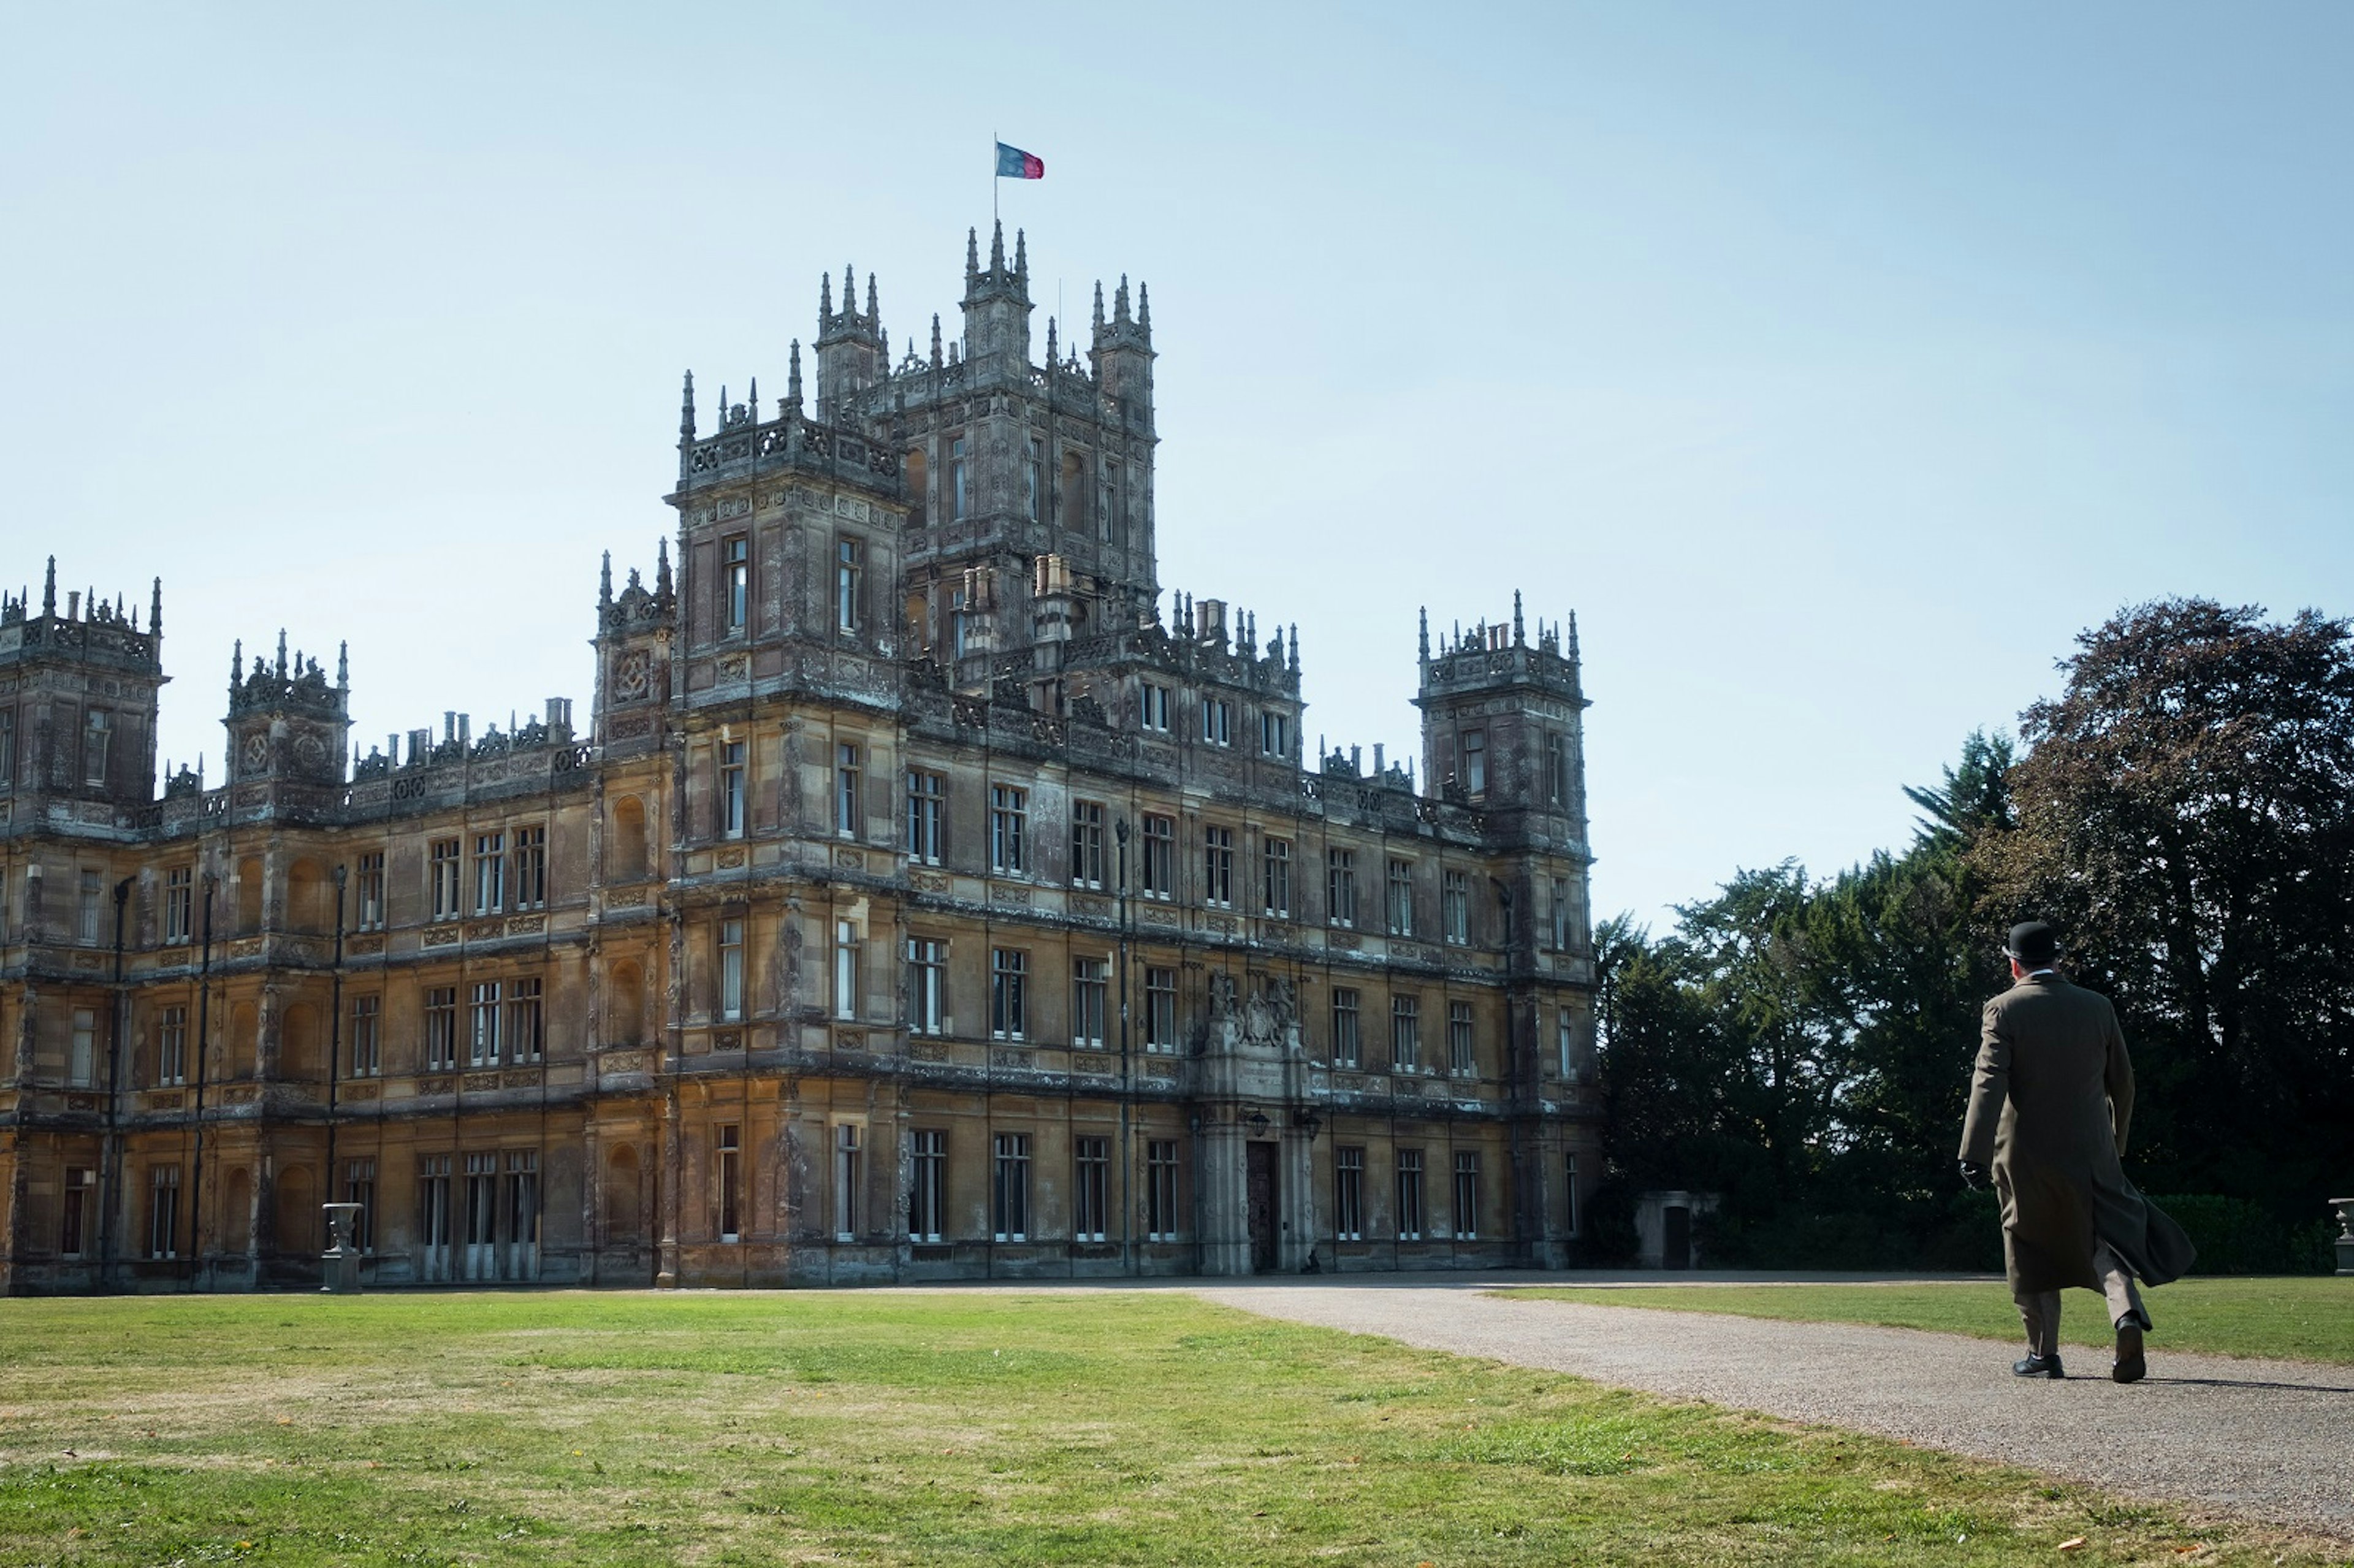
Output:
x=2185 y=813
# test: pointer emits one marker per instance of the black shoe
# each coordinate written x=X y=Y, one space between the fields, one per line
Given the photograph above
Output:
x=2039 y=1366
x=2129 y=1366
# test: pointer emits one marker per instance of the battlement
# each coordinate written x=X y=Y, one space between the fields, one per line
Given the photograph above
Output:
x=1499 y=654
x=89 y=629
x=299 y=687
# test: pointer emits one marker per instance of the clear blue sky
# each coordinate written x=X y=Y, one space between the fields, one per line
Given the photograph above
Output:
x=1836 y=364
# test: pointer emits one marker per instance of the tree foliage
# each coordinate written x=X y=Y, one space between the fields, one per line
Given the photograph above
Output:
x=2183 y=811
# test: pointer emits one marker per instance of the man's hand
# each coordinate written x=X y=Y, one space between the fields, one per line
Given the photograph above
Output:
x=1973 y=1174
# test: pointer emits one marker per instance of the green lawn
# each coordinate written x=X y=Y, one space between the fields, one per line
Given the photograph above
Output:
x=738 y=1428
x=2299 y=1318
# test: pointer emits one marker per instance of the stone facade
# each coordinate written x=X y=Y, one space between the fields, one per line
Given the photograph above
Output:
x=922 y=900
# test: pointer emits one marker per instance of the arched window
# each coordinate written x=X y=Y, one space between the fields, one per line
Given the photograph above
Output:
x=625 y=849
x=625 y=1005
x=919 y=488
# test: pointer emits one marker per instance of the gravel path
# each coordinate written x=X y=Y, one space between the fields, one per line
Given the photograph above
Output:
x=2271 y=1440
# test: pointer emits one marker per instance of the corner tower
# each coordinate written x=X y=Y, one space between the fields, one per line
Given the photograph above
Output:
x=78 y=731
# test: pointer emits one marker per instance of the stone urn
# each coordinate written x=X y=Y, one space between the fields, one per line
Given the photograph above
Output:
x=341 y=1261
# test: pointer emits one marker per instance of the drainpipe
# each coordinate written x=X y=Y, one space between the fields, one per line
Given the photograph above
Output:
x=204 y=1042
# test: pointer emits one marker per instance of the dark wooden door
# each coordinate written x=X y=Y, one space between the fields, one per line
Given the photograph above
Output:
x=1259 y=1196
x=1675 y=1249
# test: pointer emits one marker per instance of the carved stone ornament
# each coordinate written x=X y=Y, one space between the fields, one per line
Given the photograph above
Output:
x=630 y=673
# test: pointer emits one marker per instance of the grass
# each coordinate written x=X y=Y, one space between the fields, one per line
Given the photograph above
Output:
x=933 y=1428
x=2293 y=1318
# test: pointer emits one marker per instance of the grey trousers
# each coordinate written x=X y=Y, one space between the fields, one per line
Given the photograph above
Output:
x=2040 y=1310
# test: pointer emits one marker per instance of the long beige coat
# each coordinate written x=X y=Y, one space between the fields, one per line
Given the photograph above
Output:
x=2049 y=1107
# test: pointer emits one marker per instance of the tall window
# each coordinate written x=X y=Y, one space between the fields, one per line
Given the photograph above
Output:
x=1159 y=879
x=1009 y=977
x=1218 y=867
x=172 y=1045
x=1462 y=1058
x=1153 y=706
x=370 y=883
x=526 y=1020
x=1475 y=761
x=94 y=893
x=444 y=859
x=530 y=866
x=1275 y=734
x=1008 y=1207
x=1341 y=887
x=845 y=968
x=433 y=1214
x=1086 y=843
x=73 y=1218
x=1401 y=898
x=1563 y=1037
x=1348 y=1044
x=927 y=961
x=729 y=1180
x=1218 y=721
x=482 y=1025
x=847 y=816
x=482 y=1214
x=928 y=1192
x=848 y=1173
x=359 y=1187
x=735 y=582
x=1409 y=1194
x=1160 y=1009
x=367 y=1045
x=96 y=740
x=490 y=873
x=7 y=746
x=164 y=1211
x=1090 y=986
x=180 y=901
x=1033 y=475
x=1405 y=1033
x=731 y=789
x=1560 y=913
x=926 y=816
x=81 y=1060
x=1275 y=877
x=1349 y=1194
x=1161 y=1222
x=1454 y=906
x=1091 y=1193
x=1569 y=1177
x=731 y=968
x=959 y=492
x=523 y=1212
x=1009 y=822
x=1467 y=1195
x=440 y=1028
x=849 y=568
x=1557 y=769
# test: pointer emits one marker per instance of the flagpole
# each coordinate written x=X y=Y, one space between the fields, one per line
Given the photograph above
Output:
x=992 y=179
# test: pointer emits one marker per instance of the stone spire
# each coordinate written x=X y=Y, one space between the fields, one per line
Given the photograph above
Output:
x=793 y=379
x=1426 y=634
x=155 y=610
x=49 y=589
x=1519 y=636
x=605 y=584
x=686 y=409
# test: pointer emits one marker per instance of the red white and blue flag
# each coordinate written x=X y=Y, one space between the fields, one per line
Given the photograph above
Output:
x=1014 y=164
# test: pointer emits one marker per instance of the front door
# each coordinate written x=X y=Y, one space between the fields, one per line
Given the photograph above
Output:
x=1675 y=1224
x=1259 y=1197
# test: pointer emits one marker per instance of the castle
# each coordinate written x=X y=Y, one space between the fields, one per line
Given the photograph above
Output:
x=923 y=899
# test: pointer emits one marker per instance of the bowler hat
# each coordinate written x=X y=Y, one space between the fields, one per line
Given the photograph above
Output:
x=2034 y=942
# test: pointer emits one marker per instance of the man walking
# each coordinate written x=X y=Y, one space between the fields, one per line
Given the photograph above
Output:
x=2049 y=1105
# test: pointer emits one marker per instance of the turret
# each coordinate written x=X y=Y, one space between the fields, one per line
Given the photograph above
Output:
x=286 y=721
x=851 y=353
x=997 y=310
x=1123 y=354
x=1503 y=728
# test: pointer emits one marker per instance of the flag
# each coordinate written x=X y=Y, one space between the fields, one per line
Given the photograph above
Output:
x=1014 y=164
